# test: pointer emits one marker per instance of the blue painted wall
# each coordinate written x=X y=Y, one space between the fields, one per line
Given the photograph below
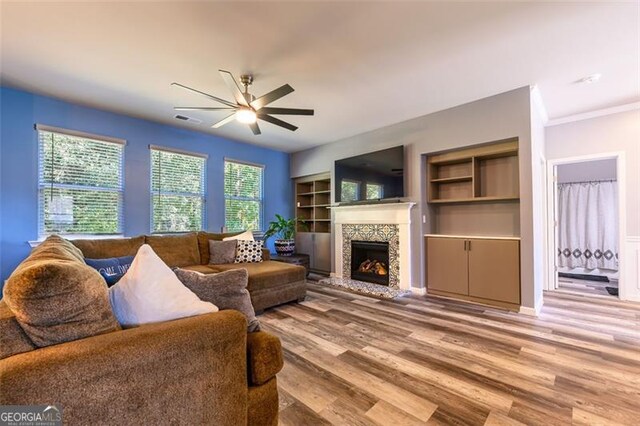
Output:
x=20 y=110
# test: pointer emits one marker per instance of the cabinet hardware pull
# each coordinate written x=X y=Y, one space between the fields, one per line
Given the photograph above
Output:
x=465 y=245
x=469 y=245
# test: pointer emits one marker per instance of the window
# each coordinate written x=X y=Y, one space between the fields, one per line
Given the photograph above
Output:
x=374 y=191
x=349 y=190
x=243 y=196
x=80 y=183
x=177 y=190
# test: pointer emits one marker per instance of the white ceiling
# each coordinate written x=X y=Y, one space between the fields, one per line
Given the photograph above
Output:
x=361 y=65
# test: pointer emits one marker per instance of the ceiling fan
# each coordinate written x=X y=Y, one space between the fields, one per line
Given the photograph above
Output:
x=247 y=108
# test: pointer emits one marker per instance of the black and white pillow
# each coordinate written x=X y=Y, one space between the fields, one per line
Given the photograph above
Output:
x=248 y=251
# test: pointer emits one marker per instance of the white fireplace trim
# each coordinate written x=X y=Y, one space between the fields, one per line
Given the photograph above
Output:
x=398 y=214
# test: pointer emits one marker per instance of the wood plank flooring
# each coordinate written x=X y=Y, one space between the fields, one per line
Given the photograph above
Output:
x=585 y=287
x=357 y=360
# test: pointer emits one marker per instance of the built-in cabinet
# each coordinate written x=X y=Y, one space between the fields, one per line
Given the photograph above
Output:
x=483 y=269
x=313 y=237
x=472 y=232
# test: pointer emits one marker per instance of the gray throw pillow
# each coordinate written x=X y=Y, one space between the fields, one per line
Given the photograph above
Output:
x=226 y=290
x=221 y=252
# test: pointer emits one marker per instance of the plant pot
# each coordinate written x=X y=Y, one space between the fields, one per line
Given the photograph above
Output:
x=285 y=247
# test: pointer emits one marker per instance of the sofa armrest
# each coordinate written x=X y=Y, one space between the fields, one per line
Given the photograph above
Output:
x=191 y=371
x=266 y=254
x=264 y=357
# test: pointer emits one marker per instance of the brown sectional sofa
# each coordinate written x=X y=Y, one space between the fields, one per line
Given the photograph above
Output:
x=199 y=370
x=271 y=283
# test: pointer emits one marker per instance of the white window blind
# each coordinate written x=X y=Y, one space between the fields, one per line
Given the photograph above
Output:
x=243 y=192
x=80 y=182
x=177 y=191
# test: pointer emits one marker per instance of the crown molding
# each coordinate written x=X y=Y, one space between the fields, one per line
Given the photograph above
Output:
x=593 y=114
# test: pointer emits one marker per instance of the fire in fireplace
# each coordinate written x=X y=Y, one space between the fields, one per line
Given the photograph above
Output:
x=370 y=261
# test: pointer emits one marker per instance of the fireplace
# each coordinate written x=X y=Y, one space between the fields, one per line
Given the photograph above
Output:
x=370 y=261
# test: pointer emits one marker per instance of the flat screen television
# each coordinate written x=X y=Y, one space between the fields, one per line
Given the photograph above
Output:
x=370 y=177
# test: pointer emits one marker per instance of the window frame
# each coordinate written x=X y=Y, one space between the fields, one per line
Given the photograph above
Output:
x=41 y=232
x=171 y=150
x=263 y=167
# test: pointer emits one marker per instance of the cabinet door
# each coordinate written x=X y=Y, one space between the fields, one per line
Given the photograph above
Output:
x=304 y=245
x=494 y=270
x=322 y=252
x=447 y=265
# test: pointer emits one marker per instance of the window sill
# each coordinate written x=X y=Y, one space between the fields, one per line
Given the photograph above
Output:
x=37 y=242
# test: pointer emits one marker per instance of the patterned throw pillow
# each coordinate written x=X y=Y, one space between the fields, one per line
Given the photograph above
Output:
x=111 y=269
x=249 y=252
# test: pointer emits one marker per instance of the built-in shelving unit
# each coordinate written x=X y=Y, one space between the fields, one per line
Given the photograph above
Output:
x=481 y=174
x=472 y=224
x=313 y=199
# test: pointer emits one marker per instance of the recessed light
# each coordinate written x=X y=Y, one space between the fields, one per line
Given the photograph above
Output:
x=593 y=78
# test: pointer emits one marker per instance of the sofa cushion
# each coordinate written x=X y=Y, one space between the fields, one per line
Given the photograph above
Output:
x=203 y=243
x=203 y=269
x=56 y=297
x=109 y=247
x=13 y=339
x=150 y=292
x=176 y=250
x=264 y=357
x=222 y=251
x=226 y=290
x=267 y=274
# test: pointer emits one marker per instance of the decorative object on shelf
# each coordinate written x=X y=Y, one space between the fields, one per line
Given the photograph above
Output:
x=285 y=229
x=246 y=108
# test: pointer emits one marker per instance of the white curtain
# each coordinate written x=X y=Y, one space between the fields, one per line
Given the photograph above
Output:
x=588 y=225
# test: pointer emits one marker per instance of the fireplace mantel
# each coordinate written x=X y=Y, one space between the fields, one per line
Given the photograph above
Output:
x=386 y=219
x=390 y=213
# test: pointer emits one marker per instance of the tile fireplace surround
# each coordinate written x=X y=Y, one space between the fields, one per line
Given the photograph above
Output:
x=373 y=222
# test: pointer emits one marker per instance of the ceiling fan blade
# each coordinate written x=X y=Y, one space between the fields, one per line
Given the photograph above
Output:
x=286 y=111
x=272 y=96
x=214 y=98
x=255 y=128
x=203 y=108
x=233 y=86
x=277 y=122
x=224 y=121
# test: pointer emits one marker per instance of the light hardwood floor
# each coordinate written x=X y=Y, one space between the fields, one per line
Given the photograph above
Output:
x=357 y=360
x=585 y=287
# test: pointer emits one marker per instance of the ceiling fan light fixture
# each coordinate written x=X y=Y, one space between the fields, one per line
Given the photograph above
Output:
x=246 y=116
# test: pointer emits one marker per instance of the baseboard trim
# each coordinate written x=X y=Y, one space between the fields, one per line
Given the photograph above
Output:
x=420 y=291
x=532 y=312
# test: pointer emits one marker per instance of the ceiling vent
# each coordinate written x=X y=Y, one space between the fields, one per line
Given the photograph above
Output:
x=189 y=119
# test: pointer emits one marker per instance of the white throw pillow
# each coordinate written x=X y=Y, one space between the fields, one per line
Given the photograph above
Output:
x=151 y=292
x=245 y=236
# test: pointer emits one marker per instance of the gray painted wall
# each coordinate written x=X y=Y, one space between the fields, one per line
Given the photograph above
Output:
x=499 y=117
x=611 y=133
x=588 y=170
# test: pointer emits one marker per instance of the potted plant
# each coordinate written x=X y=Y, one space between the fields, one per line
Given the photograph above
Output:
x=285 y=229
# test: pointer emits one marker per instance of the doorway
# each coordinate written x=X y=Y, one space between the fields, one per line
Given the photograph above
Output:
x=585 y=226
